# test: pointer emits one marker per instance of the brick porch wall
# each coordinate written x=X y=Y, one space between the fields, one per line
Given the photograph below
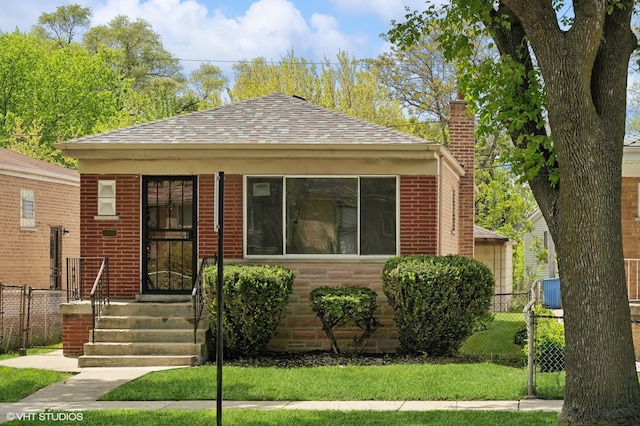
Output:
x=76 y=325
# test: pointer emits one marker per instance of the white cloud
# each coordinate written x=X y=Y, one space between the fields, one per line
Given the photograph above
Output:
x=268 y=28
x=190 y=30
x=383 y=10
x=328 y=39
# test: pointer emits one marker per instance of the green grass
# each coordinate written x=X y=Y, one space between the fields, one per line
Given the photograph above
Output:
x=453 y=381
x=496 y=342
x=481 y=381
x=17 y=383
x=309 y=418
x=32 y=351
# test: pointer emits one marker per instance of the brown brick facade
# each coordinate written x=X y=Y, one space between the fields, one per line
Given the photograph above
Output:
x=233 y=216
x=24 y=253
x=418 y=215
x=462 y=147
x=207 y=241
x=115 y=238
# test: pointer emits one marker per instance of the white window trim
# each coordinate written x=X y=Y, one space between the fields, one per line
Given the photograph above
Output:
x=27 y=223
x=284 y=220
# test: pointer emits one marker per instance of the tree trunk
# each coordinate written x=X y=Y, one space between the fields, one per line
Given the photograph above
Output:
x=585 y=72
x=601 y=380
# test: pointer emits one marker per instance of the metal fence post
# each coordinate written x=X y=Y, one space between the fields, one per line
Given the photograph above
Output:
x=22 y=351
x=531 y=332
x=530 y=320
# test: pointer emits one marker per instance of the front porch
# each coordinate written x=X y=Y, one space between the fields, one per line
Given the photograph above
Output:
x=147 y=330
x=150 y=331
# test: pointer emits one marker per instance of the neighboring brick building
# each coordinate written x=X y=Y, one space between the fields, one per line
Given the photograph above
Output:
x=325 y=194
x=40 y=220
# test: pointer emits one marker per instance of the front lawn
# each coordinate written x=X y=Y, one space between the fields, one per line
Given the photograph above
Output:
x=443 y=380
x=496 y=343
x=31 y=351
x=18 y=383
x=481 y=381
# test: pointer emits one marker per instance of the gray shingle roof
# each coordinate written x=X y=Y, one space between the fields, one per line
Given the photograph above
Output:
x=270 y=119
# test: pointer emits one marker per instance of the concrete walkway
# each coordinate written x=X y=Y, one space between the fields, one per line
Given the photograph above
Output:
x=82 y=391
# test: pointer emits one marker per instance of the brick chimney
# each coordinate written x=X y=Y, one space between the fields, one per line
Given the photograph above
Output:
x=462 y=147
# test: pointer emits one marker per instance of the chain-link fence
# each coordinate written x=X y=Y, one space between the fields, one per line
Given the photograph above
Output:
x=29 y=317
x=499 y=336
x=44 y=319
x=521 y=332
x=545 y=340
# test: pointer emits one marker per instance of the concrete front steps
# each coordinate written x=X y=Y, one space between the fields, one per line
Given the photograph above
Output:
x=146 y=334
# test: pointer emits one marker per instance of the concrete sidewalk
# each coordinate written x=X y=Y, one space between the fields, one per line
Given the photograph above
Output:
x=82 y=391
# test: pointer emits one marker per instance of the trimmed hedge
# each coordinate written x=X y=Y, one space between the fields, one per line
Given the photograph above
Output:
x=336 y=306
x=255 y=298
x=436 y=300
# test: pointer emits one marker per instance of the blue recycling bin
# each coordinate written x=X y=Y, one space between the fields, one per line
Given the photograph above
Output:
x=551 y=293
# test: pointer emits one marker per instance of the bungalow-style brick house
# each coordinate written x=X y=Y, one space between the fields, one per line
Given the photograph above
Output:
x=328 y=195
x=40 y=220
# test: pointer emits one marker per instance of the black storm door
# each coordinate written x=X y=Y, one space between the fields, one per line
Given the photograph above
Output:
x=169 y=233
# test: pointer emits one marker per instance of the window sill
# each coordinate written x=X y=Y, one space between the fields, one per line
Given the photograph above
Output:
x=106 y=217
x=28 y=228
x=318 y=258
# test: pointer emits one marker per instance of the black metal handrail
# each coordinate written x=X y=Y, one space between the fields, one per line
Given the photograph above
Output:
x=197 y=295
x=99 y=295
x=79 y=269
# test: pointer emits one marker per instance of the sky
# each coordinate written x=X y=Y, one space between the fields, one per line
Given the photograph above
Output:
x=223 y=31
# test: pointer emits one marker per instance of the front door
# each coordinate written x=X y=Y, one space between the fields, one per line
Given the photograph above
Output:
x=169 y=234
x=54 y=258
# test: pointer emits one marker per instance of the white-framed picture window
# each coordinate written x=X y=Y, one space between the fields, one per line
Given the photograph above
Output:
x=27 y=209
x=321 y=215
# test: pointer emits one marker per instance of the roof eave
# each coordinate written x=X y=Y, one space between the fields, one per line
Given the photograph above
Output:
x=150 y=151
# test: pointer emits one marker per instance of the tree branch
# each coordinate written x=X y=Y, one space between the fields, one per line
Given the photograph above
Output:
x=512 y=41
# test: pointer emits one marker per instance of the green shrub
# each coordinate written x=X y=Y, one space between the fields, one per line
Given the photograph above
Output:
x=336 y=306
x=548 y=341
x=520 y=337
x=255 y=298
x=436 y=300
